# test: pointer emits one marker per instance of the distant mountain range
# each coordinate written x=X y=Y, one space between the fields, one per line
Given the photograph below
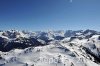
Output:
x=81 y=45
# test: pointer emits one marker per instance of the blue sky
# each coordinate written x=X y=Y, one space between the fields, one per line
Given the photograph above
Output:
x=49 y=14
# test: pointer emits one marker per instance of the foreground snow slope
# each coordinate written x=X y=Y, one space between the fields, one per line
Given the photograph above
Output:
x=51 y=55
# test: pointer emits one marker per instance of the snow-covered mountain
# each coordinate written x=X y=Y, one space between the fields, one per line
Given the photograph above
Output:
x=50 y=48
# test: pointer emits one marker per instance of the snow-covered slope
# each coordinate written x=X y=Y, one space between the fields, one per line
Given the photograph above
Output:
x=52 y=48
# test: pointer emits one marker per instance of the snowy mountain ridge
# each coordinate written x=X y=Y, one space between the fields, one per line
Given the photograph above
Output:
x=51 y=48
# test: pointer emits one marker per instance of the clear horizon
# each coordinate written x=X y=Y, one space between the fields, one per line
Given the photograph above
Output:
x=44 y=15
